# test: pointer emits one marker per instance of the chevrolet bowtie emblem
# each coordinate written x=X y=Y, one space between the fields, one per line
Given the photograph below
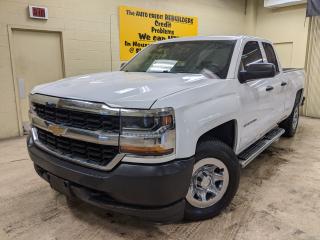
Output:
x=56 y=130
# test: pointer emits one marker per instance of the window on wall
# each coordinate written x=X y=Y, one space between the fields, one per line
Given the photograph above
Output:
x=271 y=56
x=251 y=54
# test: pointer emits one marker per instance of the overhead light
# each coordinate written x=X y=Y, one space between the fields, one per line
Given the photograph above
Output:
x=282 y=3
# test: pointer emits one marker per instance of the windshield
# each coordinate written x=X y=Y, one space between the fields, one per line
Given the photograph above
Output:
x=185 y=57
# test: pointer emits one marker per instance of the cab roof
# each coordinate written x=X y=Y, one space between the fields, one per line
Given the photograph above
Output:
x=208 y=38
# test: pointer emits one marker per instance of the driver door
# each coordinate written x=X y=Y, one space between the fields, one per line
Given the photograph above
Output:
x=256 y=99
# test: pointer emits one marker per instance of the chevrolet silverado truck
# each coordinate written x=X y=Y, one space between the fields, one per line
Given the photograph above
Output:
x=165 y=137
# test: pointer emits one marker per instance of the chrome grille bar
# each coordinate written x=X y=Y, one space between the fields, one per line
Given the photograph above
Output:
x=103 y=138
x=98 y=137
x=79 y=161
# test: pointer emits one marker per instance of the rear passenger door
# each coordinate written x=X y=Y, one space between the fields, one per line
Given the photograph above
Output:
x=278 y=82
x=256 y=117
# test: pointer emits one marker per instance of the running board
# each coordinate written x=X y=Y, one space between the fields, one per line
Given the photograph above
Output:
x=249 y=154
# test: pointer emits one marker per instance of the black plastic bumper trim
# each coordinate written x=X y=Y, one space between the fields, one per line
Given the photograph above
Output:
x=154 y=192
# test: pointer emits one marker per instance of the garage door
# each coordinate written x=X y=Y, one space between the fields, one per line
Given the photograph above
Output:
x=312 y=107
x=37 y=59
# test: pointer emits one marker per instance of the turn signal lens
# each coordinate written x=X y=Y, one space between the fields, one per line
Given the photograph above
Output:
x=167 y=120
x=146 y=151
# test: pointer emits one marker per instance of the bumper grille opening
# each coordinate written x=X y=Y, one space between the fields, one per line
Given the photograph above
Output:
x=87 y=152
x=77 y=119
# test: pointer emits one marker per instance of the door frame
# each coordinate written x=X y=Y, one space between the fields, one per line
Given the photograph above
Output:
x=11 y=28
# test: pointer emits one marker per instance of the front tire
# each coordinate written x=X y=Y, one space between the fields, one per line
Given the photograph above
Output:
x=214 y=181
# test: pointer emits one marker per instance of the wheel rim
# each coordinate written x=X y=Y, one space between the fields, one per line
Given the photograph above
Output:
x=295 y=118
x=209 y=182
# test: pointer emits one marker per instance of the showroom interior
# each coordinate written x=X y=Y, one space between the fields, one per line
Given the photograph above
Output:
x=42 y=41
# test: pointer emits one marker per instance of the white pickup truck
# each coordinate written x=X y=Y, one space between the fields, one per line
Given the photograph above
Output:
x=165 y=137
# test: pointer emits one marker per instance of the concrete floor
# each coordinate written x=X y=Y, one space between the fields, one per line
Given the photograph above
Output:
x=278 y=198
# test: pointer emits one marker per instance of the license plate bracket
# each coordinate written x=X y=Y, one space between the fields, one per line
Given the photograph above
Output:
x=60 y=185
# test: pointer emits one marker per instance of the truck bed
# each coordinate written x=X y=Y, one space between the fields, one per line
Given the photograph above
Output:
x=291 y=69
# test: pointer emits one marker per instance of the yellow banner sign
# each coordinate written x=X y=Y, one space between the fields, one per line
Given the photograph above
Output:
x=140 y=27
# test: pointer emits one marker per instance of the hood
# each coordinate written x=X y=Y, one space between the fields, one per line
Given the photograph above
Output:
x=121 y=89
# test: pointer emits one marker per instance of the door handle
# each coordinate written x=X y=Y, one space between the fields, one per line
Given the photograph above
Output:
x=269 y=88
x=283 y=84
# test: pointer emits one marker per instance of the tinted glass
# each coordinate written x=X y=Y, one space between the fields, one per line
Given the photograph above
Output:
x=251 y=54
x=185 y=57
x=271 y=56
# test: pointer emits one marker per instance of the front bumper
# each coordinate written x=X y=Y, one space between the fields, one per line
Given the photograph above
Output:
x=152 y=191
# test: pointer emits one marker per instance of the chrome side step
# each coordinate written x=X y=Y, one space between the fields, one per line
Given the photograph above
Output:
x=249 y=154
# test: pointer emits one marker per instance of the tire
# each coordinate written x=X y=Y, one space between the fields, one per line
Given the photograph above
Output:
x=290 y=124
x=209 y=154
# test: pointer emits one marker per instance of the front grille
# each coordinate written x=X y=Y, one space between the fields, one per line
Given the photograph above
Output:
x=77 y=119
x=87 y=152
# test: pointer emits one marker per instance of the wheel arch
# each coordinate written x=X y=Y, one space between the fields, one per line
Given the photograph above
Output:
x=226 y=132
x=299 y=97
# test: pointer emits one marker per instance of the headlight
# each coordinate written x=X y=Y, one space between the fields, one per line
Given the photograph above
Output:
x=147 y=132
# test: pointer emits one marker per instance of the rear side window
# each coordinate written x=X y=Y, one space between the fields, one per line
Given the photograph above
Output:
x=251 y=54
x=271 y=56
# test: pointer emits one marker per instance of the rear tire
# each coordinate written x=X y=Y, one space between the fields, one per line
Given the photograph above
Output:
x=290 y=124
x=214 y=181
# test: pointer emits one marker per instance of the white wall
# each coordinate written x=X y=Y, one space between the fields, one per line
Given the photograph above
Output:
x=287 y=27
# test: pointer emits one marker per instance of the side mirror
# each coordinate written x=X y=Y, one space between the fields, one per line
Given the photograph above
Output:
x=256 y=71
x=122 y=65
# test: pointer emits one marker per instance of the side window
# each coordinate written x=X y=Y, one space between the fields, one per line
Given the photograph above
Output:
x=271 y=56
x=251 y=54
